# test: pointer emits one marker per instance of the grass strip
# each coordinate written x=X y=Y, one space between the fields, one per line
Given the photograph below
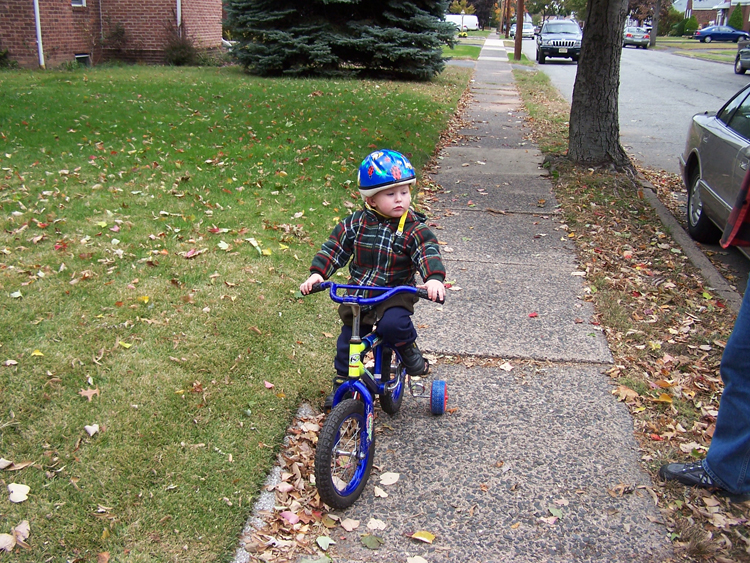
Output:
x=156 y=223
x=665 y=327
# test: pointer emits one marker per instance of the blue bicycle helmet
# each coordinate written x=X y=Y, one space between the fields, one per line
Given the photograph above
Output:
x=383 y=169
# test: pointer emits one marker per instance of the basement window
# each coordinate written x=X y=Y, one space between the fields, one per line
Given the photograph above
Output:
x=83 y=60
x=78 y=3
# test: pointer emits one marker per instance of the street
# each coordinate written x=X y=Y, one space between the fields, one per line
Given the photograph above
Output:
x=659 y=93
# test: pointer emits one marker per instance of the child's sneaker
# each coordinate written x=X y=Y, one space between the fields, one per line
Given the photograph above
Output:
x=414 y=362
x=337 y=381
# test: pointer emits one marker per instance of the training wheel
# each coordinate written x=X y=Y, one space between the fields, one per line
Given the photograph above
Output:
x=438 y=397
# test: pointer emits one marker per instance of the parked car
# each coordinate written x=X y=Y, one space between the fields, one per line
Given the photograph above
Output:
x=742 y=60
x=713 y=165
x=720 y=33
x=512 y=30
x=558 y=38
x=528 y=30
x=636 y=36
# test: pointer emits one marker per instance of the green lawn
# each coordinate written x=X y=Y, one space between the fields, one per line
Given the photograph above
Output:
x=462 y=52
x=156 y=223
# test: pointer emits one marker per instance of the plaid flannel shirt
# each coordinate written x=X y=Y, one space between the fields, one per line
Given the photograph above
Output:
x=378 y=256
x=737 y=229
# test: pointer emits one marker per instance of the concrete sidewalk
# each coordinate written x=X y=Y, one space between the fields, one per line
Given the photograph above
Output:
x=536 y=463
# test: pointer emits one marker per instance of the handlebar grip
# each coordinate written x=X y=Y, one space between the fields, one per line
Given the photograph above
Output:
x=423 y=294
x=317 y=287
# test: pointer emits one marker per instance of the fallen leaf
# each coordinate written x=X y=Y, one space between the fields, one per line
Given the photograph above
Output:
x=416 y=559
x=37 y=353
x=268 y=384
x=349 y=525
x=16 y=295
x=507 y=366
x=663 y=398
x=91 y=429
x=290 y=517
x=103 y=557
x=375 y=524
x=18 y=493
x=380 y=492
x=22 y=531
x=5 y=463
x=7 y=542
x=324 y=542
x=10 y=363
x=424 y=536
x=125 y=345
x=372 y=542
x=533 y=315
x=89 y=393
x=625 y=393
x=389 y=478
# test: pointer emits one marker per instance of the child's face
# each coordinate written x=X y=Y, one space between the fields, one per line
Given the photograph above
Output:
x=393 y=202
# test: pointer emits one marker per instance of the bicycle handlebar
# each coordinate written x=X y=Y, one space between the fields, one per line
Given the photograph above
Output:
x=388 y=292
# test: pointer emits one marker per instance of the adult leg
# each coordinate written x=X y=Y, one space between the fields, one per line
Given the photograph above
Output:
x=729 y=454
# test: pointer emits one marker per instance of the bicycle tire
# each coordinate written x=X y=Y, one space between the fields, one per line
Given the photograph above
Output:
x=438 y=397
x=340 y=478
x=393 y=395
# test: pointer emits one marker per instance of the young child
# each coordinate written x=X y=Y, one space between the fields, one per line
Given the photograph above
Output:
x=388 y=244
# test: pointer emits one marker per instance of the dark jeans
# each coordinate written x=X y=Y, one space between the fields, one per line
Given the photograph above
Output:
x=728 y=458
x=395 y=327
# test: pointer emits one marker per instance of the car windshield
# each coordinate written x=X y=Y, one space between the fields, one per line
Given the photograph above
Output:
x=563 y=27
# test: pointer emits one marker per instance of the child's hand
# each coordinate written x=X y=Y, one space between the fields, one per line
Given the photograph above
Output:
x=435 y=290
x=306 y=286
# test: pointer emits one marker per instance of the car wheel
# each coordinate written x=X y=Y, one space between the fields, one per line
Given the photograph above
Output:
x=645 y=47
x=540 y=58
x=575 y=59
x=736 y=39
x=708 y=39
x=700 y=227
x=738 y=68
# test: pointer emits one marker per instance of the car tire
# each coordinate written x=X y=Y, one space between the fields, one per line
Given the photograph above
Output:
x=645 y=47
x=738 y=68
x=574 y=59
x=707 y=39
x=700 y=227
x=540 y=58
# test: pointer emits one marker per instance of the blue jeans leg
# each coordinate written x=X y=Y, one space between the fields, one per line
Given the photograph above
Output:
x=729 y=454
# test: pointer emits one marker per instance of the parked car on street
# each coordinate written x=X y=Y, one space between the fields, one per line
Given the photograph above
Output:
x=558 y=38
x=742 y=60
x=714 y=163
x=512 y=30
x=720 y=33
x=528 y=30
x=636 y=36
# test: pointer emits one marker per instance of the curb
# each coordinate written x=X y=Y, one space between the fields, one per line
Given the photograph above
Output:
x=715 y=280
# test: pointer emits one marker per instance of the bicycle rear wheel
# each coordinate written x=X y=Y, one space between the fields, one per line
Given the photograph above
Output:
x=393 y=394
x=342 y=462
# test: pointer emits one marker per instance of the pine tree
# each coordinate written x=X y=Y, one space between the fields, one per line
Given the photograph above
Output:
x=735 y=20
x=330 y=37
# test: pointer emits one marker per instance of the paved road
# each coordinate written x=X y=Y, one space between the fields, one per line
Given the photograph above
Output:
x=659 y=93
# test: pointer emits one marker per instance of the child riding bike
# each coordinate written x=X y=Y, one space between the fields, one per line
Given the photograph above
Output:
x=385 y=244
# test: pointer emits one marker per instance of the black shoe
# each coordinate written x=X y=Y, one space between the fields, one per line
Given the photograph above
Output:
x=337 y=381
x=690 y=474
x=414 y=362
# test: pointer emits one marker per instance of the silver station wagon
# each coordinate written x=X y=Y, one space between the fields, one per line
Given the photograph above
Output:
x=715 y=161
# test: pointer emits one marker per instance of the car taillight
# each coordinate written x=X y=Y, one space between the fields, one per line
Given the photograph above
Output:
x=628 y=35
x=645 y=36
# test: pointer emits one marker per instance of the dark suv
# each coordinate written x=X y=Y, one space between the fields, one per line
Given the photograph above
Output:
x=558 y=38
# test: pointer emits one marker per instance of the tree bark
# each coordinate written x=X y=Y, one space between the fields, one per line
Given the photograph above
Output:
x=655 y=23
x=594 y=132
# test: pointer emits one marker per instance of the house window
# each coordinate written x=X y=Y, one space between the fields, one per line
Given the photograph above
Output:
x=83 y=60
x=78 y=3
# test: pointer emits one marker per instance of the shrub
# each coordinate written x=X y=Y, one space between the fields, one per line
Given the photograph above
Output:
x=6 y=61
x=180 y=49
x=691 y=26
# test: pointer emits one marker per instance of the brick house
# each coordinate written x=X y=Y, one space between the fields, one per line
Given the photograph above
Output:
x=47 y=33
x=717 y=12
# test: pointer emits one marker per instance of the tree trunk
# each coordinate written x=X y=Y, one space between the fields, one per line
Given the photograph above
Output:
x=594 y=134
x=655 y=23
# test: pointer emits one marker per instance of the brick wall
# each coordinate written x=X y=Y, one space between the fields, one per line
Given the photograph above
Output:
x=68 y=30
x=202 y=19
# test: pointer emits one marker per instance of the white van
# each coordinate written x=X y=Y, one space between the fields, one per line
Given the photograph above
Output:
x=468 y=21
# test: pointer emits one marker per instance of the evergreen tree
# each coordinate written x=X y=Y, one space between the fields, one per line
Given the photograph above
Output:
x=329 y=37
x=735 y=20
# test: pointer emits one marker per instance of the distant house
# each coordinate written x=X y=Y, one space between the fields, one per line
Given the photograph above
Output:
x=716 y=12
x=47 y=33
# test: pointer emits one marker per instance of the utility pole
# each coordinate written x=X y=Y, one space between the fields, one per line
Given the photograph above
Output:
x=519 y=31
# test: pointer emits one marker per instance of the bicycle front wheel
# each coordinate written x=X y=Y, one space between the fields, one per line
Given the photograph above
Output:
x=342 y=461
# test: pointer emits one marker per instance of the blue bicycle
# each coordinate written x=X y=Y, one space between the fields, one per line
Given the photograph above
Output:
x=346 y=445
